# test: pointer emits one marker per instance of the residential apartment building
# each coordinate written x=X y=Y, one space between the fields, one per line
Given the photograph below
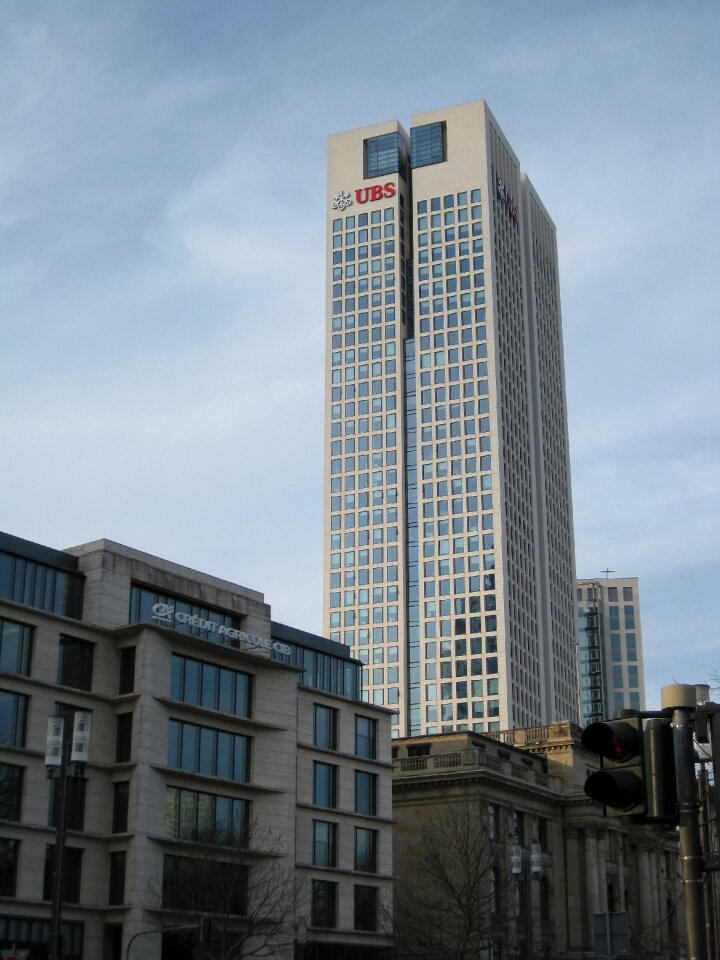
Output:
x=610 y=647
x=233 y=770
x=449 y=566
x=499 y=852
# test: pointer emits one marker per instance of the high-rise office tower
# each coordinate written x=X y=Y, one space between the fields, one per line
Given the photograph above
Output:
x=449 y=563
x=610 y=647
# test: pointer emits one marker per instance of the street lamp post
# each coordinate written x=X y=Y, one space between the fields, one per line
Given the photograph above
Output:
x=64 y=757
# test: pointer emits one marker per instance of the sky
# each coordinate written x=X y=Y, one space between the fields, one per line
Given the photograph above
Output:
x=162 y=210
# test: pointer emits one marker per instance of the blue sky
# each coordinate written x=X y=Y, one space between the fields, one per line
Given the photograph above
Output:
x=161 y=377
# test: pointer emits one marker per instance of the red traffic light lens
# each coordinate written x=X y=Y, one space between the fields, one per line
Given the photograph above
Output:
x=614 y=740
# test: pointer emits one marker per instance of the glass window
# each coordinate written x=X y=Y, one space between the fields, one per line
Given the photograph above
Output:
x=206 y=817
x=207 y=685
x=324 y=904
x=384 y=155
x=365 y=737
x=194 y=884
x=11 y=783
x=365 y=908
x=38 y=585
x=8 y=866
x=148 y=606
x=325 y=727
x=117 y=877
x=75 y=663
x=324 y=843
x=121 y=796
x=127 y=670
x=427 y=144
x=74 y=802
x=72 y=871
x=209 y=751
x=324 y=784
x=13 y=707
x=366 y=849
x=365 y=793
x=15 y=640
x=123 y=743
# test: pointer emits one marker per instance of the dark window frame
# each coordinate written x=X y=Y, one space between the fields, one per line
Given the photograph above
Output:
x=11 y=791
x=116 y=887
x=362 y=778
x=319 y=791
x=325 y=726
x=75 y=662
x=9 y=849
x=323 y=912
x=124 y=737
x=121 y=806
x=366 y=741
x=23 y=653
x=330 y=845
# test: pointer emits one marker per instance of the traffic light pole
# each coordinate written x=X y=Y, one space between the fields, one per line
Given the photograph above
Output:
x=681 y=699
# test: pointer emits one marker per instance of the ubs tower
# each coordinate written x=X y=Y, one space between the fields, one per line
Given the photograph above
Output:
x=449 y=566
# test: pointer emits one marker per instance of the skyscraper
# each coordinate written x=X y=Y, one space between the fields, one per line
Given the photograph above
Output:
x=449 y=563
x=610 y=646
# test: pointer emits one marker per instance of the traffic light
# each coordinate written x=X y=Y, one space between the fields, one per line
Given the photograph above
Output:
x=638 y=768
x=205 y=930
x=619 y=785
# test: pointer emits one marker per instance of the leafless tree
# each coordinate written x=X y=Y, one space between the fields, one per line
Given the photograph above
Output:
x=452 y=893
x=249 y=895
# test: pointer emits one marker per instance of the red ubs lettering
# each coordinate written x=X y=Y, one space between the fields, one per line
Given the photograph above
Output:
x=376 y=192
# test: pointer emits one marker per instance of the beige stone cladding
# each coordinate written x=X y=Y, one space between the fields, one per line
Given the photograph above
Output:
x=552 y=850
x=483 y=629
x=181 y=725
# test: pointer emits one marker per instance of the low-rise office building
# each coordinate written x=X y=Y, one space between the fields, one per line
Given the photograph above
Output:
x=503 y=819
x=233 y=769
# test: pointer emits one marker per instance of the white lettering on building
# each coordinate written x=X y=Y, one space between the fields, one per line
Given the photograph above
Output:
x=164 y=614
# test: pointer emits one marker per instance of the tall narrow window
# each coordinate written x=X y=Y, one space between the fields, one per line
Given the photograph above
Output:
x=11 y=784
x=127 y=670
x=8 y=866
x=366 y=737
x=13 y=707
x=117 y=877
x=121 y=796
x=74 y=803
x=15 y=640
x=325 y=727
x=324 y=843
x=365 y=908
x=123 y=746
x=366 y=850
x=324 y=903
x=324 y=784
x=72 y=871
x=365 y=793
x=75 y=663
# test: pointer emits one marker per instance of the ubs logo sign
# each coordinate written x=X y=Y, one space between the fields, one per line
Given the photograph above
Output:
x=378 y=191
x=504 y=195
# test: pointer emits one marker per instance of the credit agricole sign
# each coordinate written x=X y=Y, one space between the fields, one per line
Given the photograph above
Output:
x=166 y=615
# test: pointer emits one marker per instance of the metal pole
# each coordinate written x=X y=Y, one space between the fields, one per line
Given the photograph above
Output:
x=681 y=699
x=59 y=857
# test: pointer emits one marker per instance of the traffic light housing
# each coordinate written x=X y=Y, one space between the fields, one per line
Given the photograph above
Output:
x=205 y=930
x=619 y=785
x=638 y=768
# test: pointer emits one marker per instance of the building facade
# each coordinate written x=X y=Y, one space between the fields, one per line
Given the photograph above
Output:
x=545 y=863
x=233 y=771
x=449 y=566
x=610 y=648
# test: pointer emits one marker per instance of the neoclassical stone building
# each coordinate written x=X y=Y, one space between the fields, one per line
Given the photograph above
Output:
x=556 y=871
